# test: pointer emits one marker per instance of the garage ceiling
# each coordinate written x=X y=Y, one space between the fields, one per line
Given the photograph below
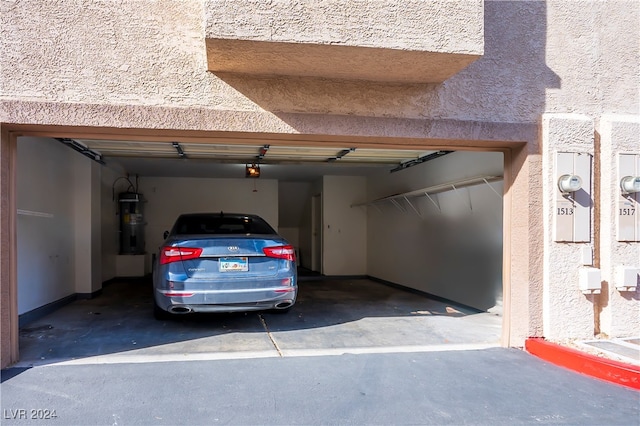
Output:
x=282 y=162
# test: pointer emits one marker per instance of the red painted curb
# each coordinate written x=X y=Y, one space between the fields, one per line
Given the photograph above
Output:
x=601 y=368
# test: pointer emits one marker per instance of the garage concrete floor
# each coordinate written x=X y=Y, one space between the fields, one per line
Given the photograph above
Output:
x=330 y=317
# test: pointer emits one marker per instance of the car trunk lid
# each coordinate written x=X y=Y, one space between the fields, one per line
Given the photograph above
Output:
x=229 y=257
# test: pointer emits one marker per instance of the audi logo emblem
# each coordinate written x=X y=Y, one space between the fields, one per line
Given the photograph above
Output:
x=233 y=248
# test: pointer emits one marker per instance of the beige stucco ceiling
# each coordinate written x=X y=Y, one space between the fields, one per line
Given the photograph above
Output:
x=333 y=62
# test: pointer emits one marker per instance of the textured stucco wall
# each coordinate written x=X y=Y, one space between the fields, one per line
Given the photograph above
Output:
x=86 y=54
x=567 y=312
x=441 y=25
x=524 y=241
x=592 y=47
x=620 y=311
x=104 y=52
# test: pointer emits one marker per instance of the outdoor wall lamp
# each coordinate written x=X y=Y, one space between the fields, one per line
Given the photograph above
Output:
x=630 y=184
x=569 y=183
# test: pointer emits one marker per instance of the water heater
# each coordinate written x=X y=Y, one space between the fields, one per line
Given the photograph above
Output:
x=131 y=223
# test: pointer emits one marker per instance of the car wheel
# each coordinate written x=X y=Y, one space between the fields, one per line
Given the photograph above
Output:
x=159 y=313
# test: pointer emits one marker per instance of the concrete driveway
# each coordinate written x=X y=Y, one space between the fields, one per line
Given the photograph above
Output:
x=331 y=317
x=495 y=386
x=352 y=352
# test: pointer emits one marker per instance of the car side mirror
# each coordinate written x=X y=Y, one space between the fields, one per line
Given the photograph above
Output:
x=166 y=234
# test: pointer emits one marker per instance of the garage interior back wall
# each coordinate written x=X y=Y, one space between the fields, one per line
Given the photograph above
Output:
x=168 y=197
x=294 y=216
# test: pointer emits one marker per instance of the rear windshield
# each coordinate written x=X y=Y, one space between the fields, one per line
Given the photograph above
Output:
x=221 y=225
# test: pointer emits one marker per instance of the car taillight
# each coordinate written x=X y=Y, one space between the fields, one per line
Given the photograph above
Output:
x=281 y=252
x=176 y=254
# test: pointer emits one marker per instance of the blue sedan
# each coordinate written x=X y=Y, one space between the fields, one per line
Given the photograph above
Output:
x=223 y=262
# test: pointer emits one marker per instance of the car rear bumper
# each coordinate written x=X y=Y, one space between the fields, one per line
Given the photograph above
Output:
x=225 y=301
x=260 y=306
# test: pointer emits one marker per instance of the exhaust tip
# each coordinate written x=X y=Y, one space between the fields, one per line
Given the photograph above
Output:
x=179 y=310
x=284 y=305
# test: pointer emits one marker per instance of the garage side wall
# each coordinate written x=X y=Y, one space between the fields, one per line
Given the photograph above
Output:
x=45 y=199
x=453 y=250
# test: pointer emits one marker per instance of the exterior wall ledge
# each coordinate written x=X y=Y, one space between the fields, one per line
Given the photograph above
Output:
x=384 y=40
x=441 y=132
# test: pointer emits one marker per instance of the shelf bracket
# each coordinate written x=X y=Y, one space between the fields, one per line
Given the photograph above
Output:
x=412 y=206
x=436 y=189
x=433 y=201
x=492 y=188
x=462 y=198
x=397 y=204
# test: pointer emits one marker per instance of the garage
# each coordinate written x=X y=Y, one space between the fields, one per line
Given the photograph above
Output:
x=418 y=226
x=491 y=81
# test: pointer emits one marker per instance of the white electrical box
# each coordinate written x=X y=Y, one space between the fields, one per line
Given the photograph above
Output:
x=627 y=214
x=628 y=278
x=572 y=210
x=590 y=281
x=586 y=256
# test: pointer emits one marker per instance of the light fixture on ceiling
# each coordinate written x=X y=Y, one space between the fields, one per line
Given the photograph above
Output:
x=82 y=149
x=252 y=171
x=420 y=160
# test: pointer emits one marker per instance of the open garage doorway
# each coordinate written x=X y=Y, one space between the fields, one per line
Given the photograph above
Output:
x=416 y=224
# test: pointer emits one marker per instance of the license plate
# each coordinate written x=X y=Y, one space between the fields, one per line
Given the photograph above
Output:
x=234 y=264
